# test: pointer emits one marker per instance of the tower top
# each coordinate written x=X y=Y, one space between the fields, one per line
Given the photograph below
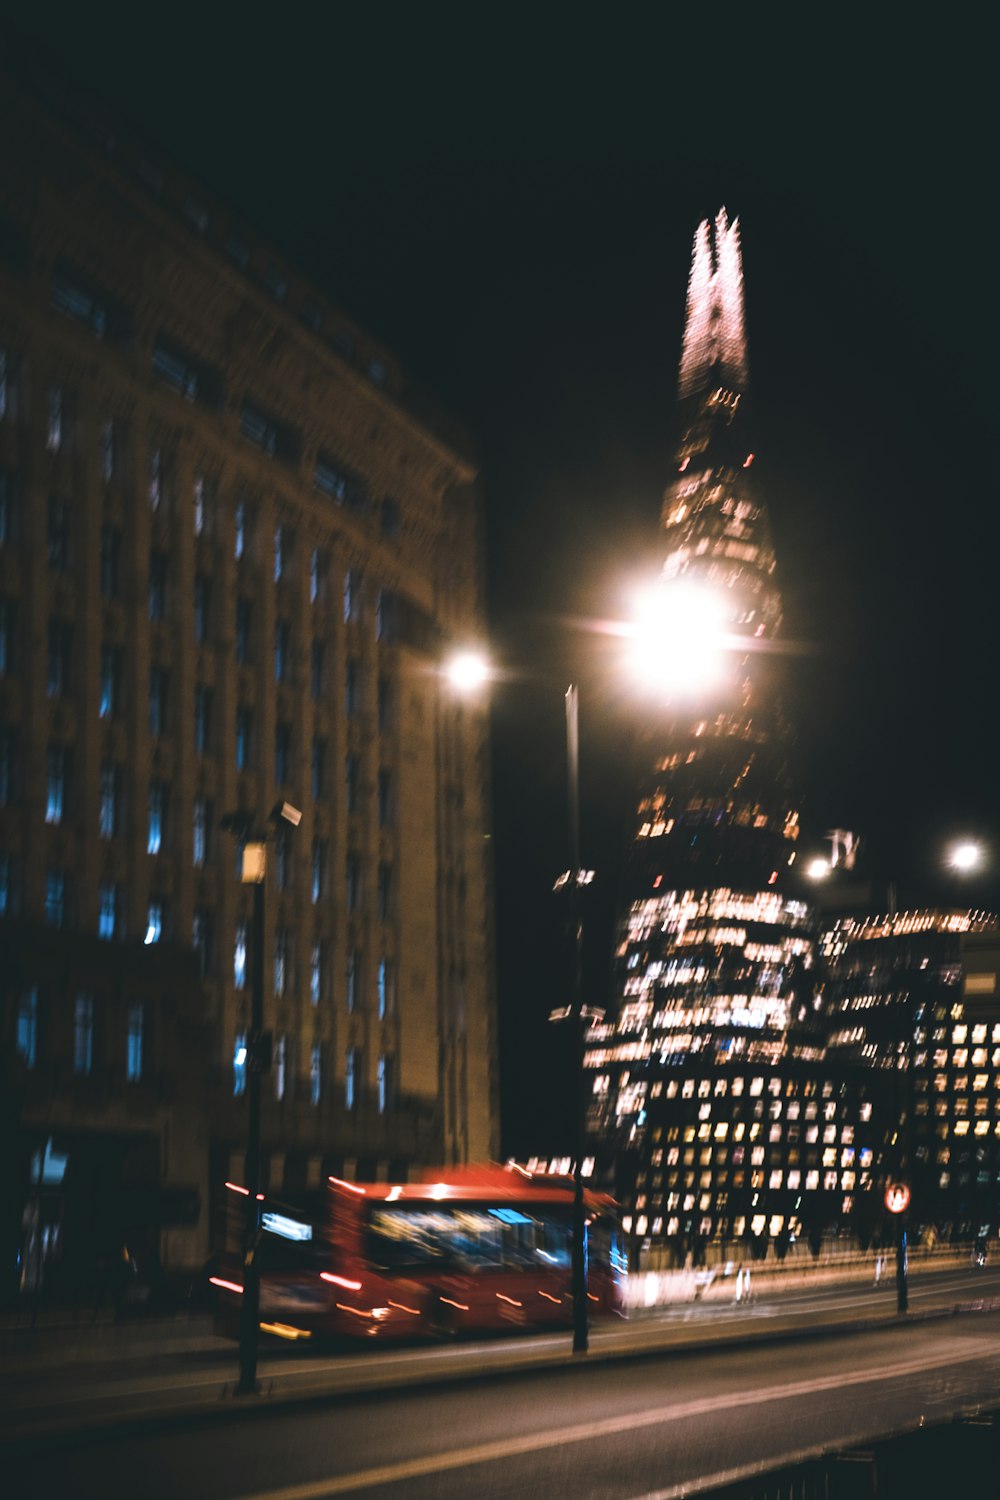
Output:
x=714 y=350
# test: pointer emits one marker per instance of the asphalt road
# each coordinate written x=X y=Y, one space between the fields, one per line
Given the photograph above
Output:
x=634 y=1427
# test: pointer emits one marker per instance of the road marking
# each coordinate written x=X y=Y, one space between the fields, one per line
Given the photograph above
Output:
x=960 y=1351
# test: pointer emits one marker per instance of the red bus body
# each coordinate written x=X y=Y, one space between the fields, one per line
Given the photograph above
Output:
x=468 y=1250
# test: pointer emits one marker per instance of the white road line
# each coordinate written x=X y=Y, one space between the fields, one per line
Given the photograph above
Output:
x=956 y=1351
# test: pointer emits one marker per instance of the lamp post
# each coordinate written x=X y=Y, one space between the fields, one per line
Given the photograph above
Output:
x=258 y=1060
x=468 y=671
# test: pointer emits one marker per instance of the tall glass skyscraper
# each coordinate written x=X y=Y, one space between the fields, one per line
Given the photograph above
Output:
x=714 y=954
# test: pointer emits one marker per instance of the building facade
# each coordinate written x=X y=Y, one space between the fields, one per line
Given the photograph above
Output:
x=230 y=558
x=911 y=996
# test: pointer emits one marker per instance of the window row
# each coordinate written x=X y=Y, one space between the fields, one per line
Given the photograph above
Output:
x=93 y=1039
x=283 y=1072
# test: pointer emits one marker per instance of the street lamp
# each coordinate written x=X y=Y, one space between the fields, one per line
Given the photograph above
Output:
x=257 y=1059
x=468 y=671
x=965 y=856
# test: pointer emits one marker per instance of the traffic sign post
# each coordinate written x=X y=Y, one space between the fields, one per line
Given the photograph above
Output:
x=897 y=1201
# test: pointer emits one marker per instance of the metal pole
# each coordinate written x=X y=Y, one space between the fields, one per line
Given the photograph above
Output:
x=250 y=1311
x=580 y=1319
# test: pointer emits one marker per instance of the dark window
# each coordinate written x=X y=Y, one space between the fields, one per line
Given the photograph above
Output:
x=237 y=251
x=202 y=601
x=158 y=684
x=9 y=766
x=8 y=635
x=188 y=376
x=384 y=798
x=244 y=733
x=75 y=296
x=352 y=687
x=391 y=517
x=282 y=649
x=202 y=936
x=319 y=572
x=58 y=535
x=269 y=434
x=353 y=881
x=60 y=649
x=276 y=282
x=8 y=507
x=157 y=585
x=311 y=314
x=318 y=768
x=352 y=777
x=376 y=372
x=337 y=481
x=244 y=614
x=384 y=891
x=202 y=718
x=282 y=753
x=318 y=674
x=196 y=215
x=111 y=551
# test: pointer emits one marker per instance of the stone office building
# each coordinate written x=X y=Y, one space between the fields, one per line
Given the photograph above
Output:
x=231 y=555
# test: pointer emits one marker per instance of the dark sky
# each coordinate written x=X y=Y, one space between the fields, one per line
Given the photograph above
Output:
x=507 y=197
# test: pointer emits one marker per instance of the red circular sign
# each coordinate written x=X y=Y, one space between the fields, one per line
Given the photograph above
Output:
x=897 y=1197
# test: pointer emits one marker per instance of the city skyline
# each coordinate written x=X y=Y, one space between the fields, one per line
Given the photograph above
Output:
x=535 y=291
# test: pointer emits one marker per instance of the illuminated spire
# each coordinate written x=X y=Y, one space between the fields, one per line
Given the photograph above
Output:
x=714 y=337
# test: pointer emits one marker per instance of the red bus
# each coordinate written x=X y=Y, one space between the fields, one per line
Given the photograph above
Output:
x=468 y=1249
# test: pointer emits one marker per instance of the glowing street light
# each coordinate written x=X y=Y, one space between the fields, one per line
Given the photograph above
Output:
x=467 y=671
x=818 y=868
x=680 y=636
x=965 y=856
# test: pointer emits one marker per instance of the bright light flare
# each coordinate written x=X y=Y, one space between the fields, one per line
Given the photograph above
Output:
x=818 y=868
x=965 y=856
x=679 y=637
x=467 y=671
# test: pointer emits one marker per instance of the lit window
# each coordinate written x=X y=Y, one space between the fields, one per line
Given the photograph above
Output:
x=55 y=897
x=282 y=642
x=107 y=911
x=352 y=595
x=280 y=960
x=27 y=1027
x=280 y=1064
x=157 y=817
x=55 y=784
x=240 y=1062
x=240 y=545
x=353 y=967
x=154 y=923
x=201 y=827
x=83 y=1034
x=54 y=422
x=384 y=987
x=134 y=1042
x=352 y=1079
x=315 y=1073
x=240 y=956
x=318 y=869
x=316 y=967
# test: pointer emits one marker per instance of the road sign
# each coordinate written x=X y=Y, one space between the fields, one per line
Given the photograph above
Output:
x=897 y=1197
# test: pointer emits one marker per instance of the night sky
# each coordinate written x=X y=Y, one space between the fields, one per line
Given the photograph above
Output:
x=508 y=199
